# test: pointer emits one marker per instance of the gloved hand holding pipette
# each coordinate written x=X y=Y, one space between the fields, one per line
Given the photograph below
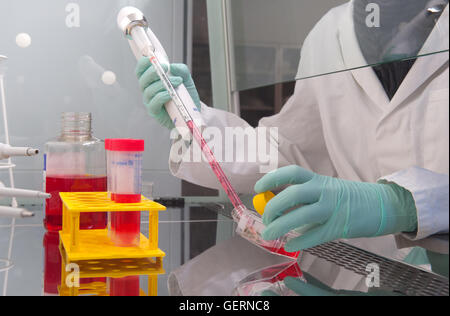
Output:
x=181 y=107
x=156 y=95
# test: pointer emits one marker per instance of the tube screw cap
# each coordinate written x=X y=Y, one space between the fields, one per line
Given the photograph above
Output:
x=260 y=201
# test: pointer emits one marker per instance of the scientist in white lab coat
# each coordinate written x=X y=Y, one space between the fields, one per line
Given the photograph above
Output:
x=365 y=152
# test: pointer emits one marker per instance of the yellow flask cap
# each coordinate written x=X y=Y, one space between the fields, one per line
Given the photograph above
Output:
x=260 y=201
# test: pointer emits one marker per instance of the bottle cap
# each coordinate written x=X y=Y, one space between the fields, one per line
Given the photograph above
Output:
x=108 y=144
x=126 y=145
x=260 y=201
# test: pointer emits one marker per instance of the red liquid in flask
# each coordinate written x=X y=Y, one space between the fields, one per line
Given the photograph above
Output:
x=293 y=270
x=283 y=252
x=53 y=206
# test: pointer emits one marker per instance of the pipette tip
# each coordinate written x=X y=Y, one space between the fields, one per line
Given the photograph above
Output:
x=26 y=213
x=44 y=195
x=32 y=152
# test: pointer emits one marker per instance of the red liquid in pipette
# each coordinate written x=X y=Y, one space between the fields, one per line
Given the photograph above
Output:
x=221 y=176
x=231 y=193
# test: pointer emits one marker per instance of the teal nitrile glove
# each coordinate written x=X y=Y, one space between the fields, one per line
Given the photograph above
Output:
x=156 y=95
x=329 y=209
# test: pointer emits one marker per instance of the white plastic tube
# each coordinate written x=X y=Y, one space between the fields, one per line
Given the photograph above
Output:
x=7 y=151
x=14 y=212
x=11 y=192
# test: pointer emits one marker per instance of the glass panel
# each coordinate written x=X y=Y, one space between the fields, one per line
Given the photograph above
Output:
x=184 y=232
x=70 y=56
x=268 y=37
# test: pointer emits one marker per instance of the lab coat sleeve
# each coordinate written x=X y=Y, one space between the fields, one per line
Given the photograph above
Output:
x=430 y=191
x=242 y=175
x=293 y=136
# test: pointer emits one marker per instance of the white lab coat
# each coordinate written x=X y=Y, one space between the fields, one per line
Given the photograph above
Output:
x=344 y=125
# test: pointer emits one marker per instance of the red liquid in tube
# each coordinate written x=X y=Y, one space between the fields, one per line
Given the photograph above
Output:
x=125 y=184
x=126 y=228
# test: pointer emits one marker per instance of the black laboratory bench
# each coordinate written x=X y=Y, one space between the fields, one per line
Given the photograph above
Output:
x=186 y=230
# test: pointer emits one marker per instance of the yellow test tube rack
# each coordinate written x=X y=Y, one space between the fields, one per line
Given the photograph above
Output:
x=95 y=244
x=94 y=248
x=115 y=268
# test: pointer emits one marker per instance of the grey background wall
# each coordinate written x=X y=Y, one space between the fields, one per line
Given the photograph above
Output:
x=267 y=37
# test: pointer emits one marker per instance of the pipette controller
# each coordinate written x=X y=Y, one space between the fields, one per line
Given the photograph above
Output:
x=144 y=43
x=7 y=151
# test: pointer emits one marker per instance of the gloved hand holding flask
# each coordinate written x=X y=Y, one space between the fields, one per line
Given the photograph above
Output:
x=327 y=209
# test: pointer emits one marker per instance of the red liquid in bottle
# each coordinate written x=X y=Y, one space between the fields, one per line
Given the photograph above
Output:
x=127 y=286
x=52 y=263
x=53 y=206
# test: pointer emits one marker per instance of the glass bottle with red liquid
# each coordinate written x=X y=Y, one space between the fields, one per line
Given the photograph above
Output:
x=52 y=263
x=74 y=162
